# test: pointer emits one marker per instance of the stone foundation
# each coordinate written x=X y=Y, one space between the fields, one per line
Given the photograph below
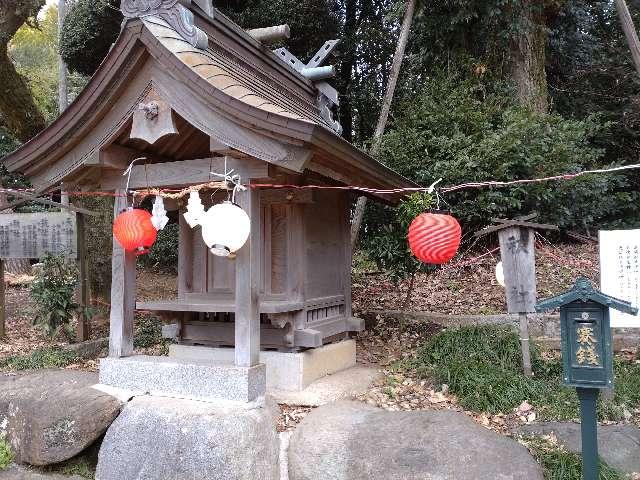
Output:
x=286 y=372
x=189 y=379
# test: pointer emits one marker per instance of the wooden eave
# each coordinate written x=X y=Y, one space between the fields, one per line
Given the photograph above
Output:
x=133 y=47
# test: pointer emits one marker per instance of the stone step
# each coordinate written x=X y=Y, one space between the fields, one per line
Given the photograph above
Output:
x=190 y=379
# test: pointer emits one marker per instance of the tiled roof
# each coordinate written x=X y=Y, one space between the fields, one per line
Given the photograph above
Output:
x=234 y=79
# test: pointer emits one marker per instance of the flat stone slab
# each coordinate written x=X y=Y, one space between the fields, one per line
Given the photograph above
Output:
x=189 y=379
x=341 y=385
x=618 y=445
x=164 y=438
x=285 y=371
x=50 y=416
x=349 y=440
x=17 y=472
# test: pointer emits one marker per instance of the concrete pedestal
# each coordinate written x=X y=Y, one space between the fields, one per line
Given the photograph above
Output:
x=189 y=379
x=286 y=372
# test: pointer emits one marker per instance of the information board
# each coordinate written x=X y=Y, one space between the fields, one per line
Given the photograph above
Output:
x=620 y=272
x=32 y=235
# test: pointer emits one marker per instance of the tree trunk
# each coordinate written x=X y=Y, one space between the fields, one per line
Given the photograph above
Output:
x=396 y=66
x=346 y=68
x=528 y=57
x=630 y=32
x=63 y=91
x=21 y=115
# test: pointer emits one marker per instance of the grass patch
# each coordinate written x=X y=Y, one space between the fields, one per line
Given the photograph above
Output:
x=49 y=357
x=560 y=464
x=6 y=456
x=482 y=366
x=81 y=466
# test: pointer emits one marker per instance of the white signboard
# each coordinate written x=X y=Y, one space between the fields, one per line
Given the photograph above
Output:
x=620 y=272
x=32 y=235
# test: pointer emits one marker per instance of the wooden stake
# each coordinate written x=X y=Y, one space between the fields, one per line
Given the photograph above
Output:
x=2 y=299
x=525 y=344
x=82 y=331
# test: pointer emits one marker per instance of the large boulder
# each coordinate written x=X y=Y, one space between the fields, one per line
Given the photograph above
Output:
x=50 y=416
x=17 y=472
x=170 y=439
x=618 y=445
x=349 y=440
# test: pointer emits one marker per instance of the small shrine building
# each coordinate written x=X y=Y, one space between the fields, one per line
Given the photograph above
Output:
x=192 y=94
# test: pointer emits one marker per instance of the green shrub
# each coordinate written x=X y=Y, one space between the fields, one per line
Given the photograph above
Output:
x=148 y=331
x=49 y=357
x=90 y=28
x=164 y=253
x=53 y=293
x=389 y=245
x=6 y=456
x=467 y=128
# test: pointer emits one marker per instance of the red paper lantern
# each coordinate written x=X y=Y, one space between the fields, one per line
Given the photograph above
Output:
x=434 y=238
x=134 y=231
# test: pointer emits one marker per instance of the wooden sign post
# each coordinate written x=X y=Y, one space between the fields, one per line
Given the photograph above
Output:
x=517 y=250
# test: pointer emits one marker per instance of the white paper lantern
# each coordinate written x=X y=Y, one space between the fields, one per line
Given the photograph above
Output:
x=500 y=274
x=225 y=229
x=195 y=209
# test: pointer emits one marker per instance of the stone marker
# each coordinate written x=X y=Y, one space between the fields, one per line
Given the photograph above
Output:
x=349 y=440
x=618 y=445
x=162 y=438
x=53 y=415
x=16 y=472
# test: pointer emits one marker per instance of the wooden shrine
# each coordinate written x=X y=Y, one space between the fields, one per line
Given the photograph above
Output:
x=191 y=93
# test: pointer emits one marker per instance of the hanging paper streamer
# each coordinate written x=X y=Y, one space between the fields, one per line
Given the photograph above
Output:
x=434 y=238
x=500 y=274
x=159 y=214
x=195 y=209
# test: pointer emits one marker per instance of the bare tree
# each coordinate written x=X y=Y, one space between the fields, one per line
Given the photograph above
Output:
x=630 y=32
x=63 y=91
x=396 y=67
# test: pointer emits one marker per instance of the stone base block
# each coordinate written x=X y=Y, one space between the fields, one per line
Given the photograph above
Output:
x=286 y=372
x=190 y=379
x=158 y=438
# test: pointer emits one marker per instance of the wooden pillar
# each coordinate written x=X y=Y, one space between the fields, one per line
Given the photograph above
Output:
x=348 y=256
x=82 y=331
x=247 y=326
x=2 y=299
x=123 y=293
x=185 y=258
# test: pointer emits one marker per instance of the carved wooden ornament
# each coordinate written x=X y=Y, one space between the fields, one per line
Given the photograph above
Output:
x=152 y=121
x=178 y=16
